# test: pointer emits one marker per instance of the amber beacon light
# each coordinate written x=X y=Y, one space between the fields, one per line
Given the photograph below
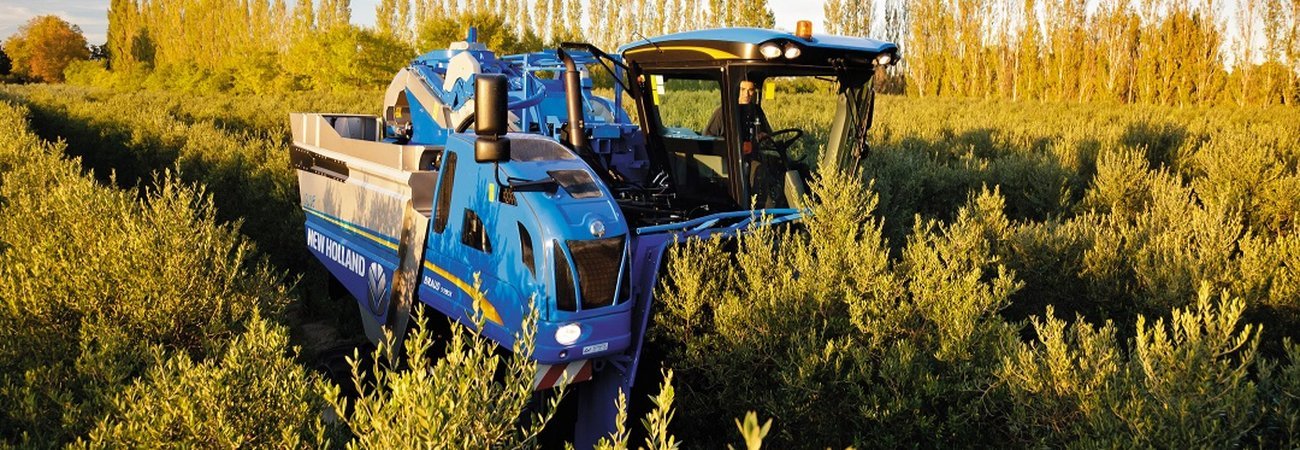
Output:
x=803 y=29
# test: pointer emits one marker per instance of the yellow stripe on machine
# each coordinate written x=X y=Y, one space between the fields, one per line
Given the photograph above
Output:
x=489 y=311
x=712 y=52
x=353 y=228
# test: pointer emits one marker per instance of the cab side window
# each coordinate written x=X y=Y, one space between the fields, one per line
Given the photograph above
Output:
x=443 y=211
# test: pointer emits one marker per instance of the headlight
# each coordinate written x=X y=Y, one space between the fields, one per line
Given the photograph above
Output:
x=770 y=51
x=568 y=334
x=792 y=52
x=884 y=59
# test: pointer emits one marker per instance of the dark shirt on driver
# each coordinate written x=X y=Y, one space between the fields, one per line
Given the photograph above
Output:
x=748 y=114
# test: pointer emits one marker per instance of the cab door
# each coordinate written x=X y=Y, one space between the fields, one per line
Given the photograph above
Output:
x=689 y=126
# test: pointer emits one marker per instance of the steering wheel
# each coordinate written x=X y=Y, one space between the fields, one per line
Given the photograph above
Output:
x=780 y=141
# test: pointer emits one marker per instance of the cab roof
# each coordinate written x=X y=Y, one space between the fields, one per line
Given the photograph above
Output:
x=743 y=44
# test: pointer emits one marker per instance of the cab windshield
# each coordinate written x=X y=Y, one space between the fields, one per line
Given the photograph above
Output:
x=754 y=140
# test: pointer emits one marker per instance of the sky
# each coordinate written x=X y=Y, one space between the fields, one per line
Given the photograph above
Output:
x=92 y=15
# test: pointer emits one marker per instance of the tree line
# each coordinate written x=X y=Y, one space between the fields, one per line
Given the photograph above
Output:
x=266 y=45
x=1175 y=52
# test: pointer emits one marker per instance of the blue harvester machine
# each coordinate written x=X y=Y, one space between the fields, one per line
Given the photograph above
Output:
x=509 y=171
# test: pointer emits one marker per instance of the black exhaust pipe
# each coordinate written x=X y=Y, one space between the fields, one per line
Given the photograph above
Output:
x=573 y=99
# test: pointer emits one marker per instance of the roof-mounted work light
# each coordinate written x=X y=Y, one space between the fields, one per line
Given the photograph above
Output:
x=792 y=51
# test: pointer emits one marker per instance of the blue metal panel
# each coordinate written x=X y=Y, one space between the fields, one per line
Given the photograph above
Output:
x=360 y=259
x=509 y=287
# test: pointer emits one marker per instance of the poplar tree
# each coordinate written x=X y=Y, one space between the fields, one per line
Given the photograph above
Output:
x=261 y=34
x=754 y=13
x=1292 y=51
x=1117 y=27
x=595 y=28
x=719 y=13
x=833 y=13
x=386 y=17
x=1066 y=43
x=691 y=15
x=656 y=17
x=1244 y=48
x=556 y=21
x=419 y=13
x=1276 y=76
x=968 y=60
x=848 y=17
x=304 y=19
x=403 y=23
x=895 y=30
x=640 y=16
x=279 y=15
x=123 y=28
x=334 y=14
x=506 y=10
x=674 y=19
x=1028 y=55
x=857 y=18
x=527 y=24
x=574 y=20
x=613 y=37
x=541 y=18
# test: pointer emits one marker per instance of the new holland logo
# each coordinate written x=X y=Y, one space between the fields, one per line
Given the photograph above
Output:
x=377 y=289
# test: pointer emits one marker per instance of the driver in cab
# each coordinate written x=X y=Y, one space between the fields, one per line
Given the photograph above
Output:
x=754 y=126
x=754 y=129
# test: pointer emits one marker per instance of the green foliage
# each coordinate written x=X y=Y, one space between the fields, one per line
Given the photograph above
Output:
x=493 y=31
x=96 y=281
x=345 y=58
x=802 y=323
x=1282 y=383
x=231 y=145
x=456 y=400
x=1116 y=211
x=1185 y=383
x=1111 y=213
x=752 y=432
x=892 y=318
x=655 y=423
x=252 y=395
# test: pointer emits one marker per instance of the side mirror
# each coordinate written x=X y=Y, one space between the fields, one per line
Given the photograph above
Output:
x=491 y=118
x=492 y=149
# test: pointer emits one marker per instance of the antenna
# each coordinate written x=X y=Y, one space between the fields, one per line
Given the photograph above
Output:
x=647 y=40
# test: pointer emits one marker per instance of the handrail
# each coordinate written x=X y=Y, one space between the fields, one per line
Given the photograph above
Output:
x=700 y=224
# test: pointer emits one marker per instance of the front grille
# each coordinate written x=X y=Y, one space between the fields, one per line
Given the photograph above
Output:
x=598 y=264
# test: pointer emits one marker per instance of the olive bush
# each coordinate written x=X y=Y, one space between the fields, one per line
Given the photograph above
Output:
x=96 y=282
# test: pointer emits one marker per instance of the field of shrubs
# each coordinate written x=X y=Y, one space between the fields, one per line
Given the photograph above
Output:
x=999 y=274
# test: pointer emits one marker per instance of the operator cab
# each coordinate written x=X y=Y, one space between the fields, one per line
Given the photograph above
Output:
x=715 y=106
